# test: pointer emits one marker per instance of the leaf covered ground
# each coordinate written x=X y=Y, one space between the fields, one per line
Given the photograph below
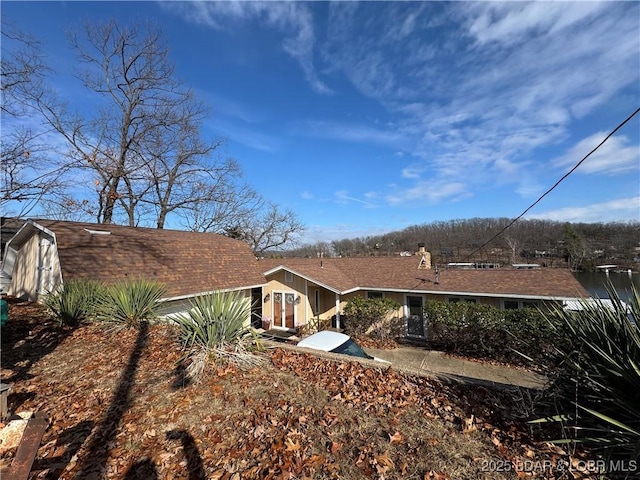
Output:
x=121 y=407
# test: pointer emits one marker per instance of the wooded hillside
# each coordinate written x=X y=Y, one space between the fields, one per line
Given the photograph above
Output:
x=580 y=246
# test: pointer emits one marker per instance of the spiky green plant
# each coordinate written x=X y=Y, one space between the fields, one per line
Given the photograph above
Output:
x=75 y=301
x=217 y=325
x=597 y=383
x=131 y=302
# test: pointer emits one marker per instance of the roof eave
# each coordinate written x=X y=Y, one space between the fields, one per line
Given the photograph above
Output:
x=26 y=230
x=461 y=293
x=209 y=292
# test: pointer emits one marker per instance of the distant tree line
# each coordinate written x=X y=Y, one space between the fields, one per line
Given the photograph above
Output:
x=580 y=246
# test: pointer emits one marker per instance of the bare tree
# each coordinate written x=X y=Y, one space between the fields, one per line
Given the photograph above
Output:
x=270 y=228
x=182 y=172
x=28 y=174
x=143 y=144
x=141 y=148
x=514 y=245
x=233 y=204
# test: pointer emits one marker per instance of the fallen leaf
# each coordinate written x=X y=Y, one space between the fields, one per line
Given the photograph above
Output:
x=292 y=446
x=468 y=425
x=395 y=438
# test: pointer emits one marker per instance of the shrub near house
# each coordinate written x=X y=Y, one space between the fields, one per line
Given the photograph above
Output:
x=127 y=302
x=483 y=331
x=370 y=316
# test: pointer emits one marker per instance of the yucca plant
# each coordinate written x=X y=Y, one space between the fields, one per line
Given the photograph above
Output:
x=75 y=301
x=217 y=325
x=597 y=383
x=131 y=302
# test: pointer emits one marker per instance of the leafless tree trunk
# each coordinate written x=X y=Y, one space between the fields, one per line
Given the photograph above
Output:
x=143 y=144
x=141 y=149
x=513 y=244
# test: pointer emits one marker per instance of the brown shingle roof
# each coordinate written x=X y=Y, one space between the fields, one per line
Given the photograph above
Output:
x=186 y=262
x=402 y=273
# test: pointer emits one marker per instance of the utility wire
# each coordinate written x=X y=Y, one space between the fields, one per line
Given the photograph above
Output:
x=554 y=185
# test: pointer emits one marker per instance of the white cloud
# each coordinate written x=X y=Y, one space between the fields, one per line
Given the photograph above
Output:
x=351 y=132
x=340 y=231
x=622 y=209
x=371 y=195
x=476 y=89
x=507 y=23
x=342 y=196
x=499 y=83
x=615 y=156
x=429 y=192
x=412 y=171
x=307 y=195
x=293 y=19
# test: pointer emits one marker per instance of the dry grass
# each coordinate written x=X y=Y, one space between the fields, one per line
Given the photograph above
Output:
x=121 y=407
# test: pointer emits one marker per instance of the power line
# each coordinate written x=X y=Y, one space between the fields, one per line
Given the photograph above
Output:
x=554 y=185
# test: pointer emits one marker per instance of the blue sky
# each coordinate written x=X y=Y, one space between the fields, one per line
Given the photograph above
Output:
x=365 y=118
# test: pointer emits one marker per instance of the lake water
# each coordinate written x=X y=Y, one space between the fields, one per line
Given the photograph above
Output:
x=596 y=283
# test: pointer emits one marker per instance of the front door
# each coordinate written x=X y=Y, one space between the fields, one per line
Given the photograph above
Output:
x=284 y=309
x=289 y=309
x=415 y=316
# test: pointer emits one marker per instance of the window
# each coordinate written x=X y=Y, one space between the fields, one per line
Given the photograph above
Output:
x=511 y=304
x=288 y=277
x=375 y=295
x=518 y=304
x=458 y=300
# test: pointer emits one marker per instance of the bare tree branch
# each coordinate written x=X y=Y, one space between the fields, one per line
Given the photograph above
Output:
x=27 y=174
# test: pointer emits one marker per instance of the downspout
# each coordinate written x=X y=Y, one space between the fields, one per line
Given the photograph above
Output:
x=337 y=311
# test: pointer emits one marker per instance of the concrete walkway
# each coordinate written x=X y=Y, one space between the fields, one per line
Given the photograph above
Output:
x=415 y=360
x=421 y=361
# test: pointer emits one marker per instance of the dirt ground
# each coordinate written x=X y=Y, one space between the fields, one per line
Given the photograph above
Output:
x=120 y=407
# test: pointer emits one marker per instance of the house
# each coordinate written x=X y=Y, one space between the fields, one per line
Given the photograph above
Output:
x=291 y=292
x=302 y=289
x=44 y=253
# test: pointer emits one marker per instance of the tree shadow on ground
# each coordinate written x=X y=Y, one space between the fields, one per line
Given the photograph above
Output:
x=191 y=453
x=72 y=439
x=29 y=335
x=144 y=469
x=97 y=454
